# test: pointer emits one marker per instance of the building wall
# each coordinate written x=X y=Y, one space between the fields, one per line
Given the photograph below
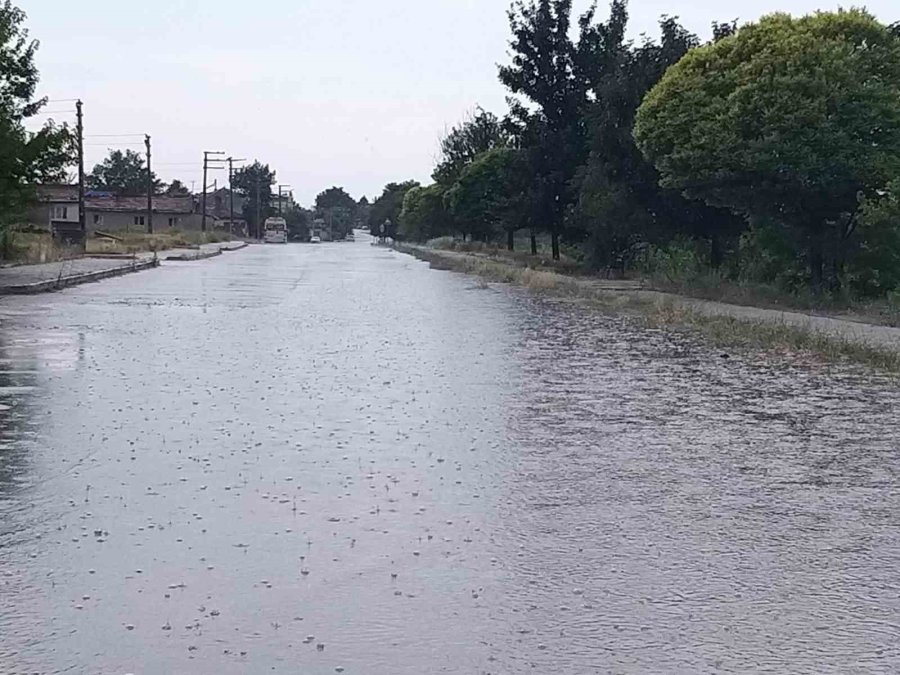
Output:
x=44 y=214
x=136 y=221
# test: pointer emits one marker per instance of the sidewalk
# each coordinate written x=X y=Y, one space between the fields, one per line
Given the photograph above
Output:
x=47 y=277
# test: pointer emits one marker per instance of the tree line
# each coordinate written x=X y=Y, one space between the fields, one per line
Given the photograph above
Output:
x=769 y=153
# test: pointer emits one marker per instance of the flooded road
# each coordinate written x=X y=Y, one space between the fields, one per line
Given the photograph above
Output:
x=319 y=459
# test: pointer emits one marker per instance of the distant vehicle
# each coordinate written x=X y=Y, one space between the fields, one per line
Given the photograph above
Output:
x=276 y=231
x=315 y=240
x=350 y=237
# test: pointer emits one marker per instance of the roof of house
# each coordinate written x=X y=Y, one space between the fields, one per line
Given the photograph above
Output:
x=161 y=204
x=57 y=192
x=110 y=203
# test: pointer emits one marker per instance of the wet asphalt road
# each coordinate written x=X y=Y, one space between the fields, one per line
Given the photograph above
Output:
x=299 y=459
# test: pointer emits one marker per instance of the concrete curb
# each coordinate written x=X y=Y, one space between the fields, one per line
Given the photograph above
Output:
x=238 y=247
x=199 y=255
x=51 y=285
x=203 y=255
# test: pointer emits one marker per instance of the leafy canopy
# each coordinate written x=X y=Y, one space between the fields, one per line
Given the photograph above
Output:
x=489 y=196
x=424 y=215
x=254 y=182
x=124 y=173
x=790 y=118
x=335 y=197
x=480 y=132
x=26 y=157
x=388 y=206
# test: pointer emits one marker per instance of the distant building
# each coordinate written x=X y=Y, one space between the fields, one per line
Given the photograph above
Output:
x=282 y=205
x=321 y=230
x=218 y=211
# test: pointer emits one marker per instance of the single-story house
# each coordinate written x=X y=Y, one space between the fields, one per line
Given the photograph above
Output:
x=57 y=209
x=129 y=214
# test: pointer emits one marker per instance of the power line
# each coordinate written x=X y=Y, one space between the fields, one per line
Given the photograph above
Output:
x=118 y=145
x=114 y=135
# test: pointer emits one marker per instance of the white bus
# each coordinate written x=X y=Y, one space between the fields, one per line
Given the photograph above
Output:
x=276 y=231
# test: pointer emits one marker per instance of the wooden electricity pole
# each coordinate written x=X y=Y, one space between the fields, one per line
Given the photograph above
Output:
x=206 y=154
x=81 y=216
x=150 y=187
x=203 y=198
x=231 y=161
x=258 y=224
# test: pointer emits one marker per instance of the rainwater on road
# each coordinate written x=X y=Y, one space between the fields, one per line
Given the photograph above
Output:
x=319 y=459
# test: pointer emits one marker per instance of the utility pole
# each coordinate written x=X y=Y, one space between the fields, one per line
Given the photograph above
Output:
x=150 y=187
x=80 y=130
x=206 y=155
x=231 y=195
x=231 y=161
x=258 y=224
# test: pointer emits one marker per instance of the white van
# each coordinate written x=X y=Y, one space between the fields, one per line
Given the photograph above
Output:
x=276 y=231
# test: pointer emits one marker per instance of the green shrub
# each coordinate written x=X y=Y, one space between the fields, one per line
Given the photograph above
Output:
x=873 y=268
x=679 y=261
x=442 y=243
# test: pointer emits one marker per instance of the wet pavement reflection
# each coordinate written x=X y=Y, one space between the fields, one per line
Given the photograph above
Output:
x=332 y=458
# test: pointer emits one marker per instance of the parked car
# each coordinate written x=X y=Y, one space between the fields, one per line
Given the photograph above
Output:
x=315 y=240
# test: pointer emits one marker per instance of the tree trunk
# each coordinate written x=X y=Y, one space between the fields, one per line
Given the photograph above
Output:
x=816 y=263
x=555 y=243
x=533 y=243
x=510 y=240
x=716 y=254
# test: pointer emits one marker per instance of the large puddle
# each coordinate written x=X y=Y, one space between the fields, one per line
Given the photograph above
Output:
x=304 y=459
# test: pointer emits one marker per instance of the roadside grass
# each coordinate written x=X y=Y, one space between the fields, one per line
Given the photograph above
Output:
x=714 y=287
x=521 y=257
x=32 y=246
x=28 y=247
x=136 y=242
x=720 y=331
x=704 y=285
x=741 y=334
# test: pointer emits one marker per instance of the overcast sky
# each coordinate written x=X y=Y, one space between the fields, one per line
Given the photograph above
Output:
x=328 y=92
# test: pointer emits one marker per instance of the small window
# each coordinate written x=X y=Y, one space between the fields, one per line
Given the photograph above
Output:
x=173 y=222
x=139 y=220
x=98 y=219
x=61 y=213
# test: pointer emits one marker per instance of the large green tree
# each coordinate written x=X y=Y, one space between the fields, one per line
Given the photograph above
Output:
x=478 y=133
x=26 y=157
x=254 y=182
x=338 y=209
x=177 y=189
x=489 y=197
x=386 y=209
x=298 y=223
x=547 y=69
x=124 y=173
x=335 y=197
x=619 y=202
x=424 y=215
x=792 y=119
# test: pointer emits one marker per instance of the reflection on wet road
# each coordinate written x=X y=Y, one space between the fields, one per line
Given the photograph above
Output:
x=311 y=458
